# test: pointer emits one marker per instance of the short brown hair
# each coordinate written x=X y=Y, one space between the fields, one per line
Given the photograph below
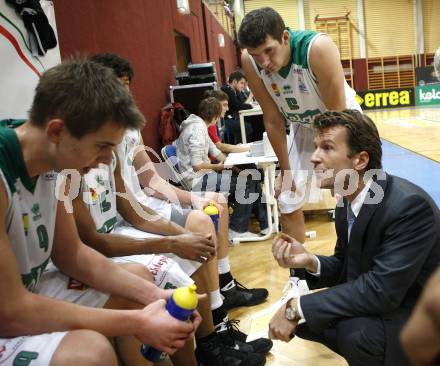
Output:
x=362 y=134
x=257 y=25
x=85 y=95
x=209 y=109
x=219 y=94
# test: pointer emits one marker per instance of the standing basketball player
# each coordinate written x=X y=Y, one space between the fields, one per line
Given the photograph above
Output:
x=294 y=75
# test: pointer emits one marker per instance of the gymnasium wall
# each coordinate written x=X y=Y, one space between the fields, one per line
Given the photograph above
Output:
x=288 y=9
x=390 y=25
x=431 y=25
x=143 y=32
x=390 y=31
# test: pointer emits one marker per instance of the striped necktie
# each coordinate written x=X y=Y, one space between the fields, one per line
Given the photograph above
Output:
x=350 y=219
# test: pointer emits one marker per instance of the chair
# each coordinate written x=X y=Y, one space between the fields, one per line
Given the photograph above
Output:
x=169 y=154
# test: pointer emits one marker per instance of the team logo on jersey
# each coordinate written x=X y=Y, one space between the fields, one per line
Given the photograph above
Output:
x=36 y=212
x=100 y=180
x=302 y=87
x=287 y=89
x=93 y=195
x=275 y=89
x=50 y=176
x=292 y=103
x=73 y=284
x=25 y=218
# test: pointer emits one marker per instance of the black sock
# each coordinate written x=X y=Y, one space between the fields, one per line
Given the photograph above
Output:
x=218 y=315
x=205 y=339
x=225 y=279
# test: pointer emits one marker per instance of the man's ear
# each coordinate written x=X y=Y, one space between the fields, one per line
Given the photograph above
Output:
x=361 y=161
x=55 y=129
x=286 y=36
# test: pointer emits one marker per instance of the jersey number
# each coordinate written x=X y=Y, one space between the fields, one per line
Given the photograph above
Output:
x=43 y=238
x=24 y=358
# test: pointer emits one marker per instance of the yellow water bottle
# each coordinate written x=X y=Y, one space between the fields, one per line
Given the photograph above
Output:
x=181 y=305
x=212 y=211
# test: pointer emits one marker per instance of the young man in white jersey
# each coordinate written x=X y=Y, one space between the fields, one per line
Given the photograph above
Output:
x=189 y=251
x=79 y=114
x=294 y=75
x=103 y=196
x=167 y=200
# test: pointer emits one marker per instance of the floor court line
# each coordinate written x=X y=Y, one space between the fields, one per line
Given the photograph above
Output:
x=412 y=166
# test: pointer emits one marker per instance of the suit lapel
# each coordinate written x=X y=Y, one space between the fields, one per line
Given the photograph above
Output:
x=358 y=230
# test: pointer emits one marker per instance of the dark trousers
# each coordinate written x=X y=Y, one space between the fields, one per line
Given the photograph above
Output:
x=361 y=341
x=244 y=195
x=232 y=125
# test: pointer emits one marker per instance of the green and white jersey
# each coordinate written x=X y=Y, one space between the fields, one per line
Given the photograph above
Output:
x=98 y=193
x=295 y=88
x=32 y=206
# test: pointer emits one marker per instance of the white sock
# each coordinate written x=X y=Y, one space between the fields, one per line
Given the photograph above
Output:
x=216 y=299
x=223 y=265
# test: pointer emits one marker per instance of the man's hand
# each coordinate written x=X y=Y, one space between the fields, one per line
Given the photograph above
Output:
x=421 y=335
x=281 y=328
x=194 y=246
x=159 y=329
x=284 y=182
x=289 y=253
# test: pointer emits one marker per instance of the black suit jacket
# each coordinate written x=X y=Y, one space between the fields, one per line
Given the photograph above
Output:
x=394 y=247
x=235 y=104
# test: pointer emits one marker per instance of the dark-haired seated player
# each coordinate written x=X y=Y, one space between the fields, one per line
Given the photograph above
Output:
x=79 y=114
x=388 y=244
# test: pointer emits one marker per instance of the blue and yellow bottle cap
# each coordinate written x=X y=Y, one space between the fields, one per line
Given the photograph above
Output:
x=211 y=209
x=186 y=297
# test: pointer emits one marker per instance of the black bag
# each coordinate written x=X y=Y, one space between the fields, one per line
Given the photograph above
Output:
x=36 y=23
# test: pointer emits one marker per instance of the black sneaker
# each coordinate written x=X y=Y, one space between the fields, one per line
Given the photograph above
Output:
x=235 y=294
x=213 y=352
x=230 y=333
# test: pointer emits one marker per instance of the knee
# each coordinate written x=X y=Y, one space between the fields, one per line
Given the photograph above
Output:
x=95 y=348
x=357 y=349
x=198 y=221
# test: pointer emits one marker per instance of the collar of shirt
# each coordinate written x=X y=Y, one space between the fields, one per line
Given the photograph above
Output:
x=357 y=203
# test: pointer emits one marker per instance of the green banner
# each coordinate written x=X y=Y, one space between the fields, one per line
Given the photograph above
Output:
x=428 y=94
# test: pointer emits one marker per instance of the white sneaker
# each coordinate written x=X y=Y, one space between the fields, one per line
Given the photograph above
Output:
x=235 y=234
x=294 y=288
x=264 y=231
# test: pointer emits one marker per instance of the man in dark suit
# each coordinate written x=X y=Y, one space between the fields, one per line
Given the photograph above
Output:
x=236 y=103
x=388 y=244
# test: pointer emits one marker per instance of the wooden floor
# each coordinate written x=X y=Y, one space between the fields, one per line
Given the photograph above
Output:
x=417 y=129
x=253 y=265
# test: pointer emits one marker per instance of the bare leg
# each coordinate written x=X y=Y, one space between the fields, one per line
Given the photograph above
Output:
x=206 y=277
x=223 y=225
x=128 y=348
x=293 y=224
x=95 y=350
x=185 y=356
